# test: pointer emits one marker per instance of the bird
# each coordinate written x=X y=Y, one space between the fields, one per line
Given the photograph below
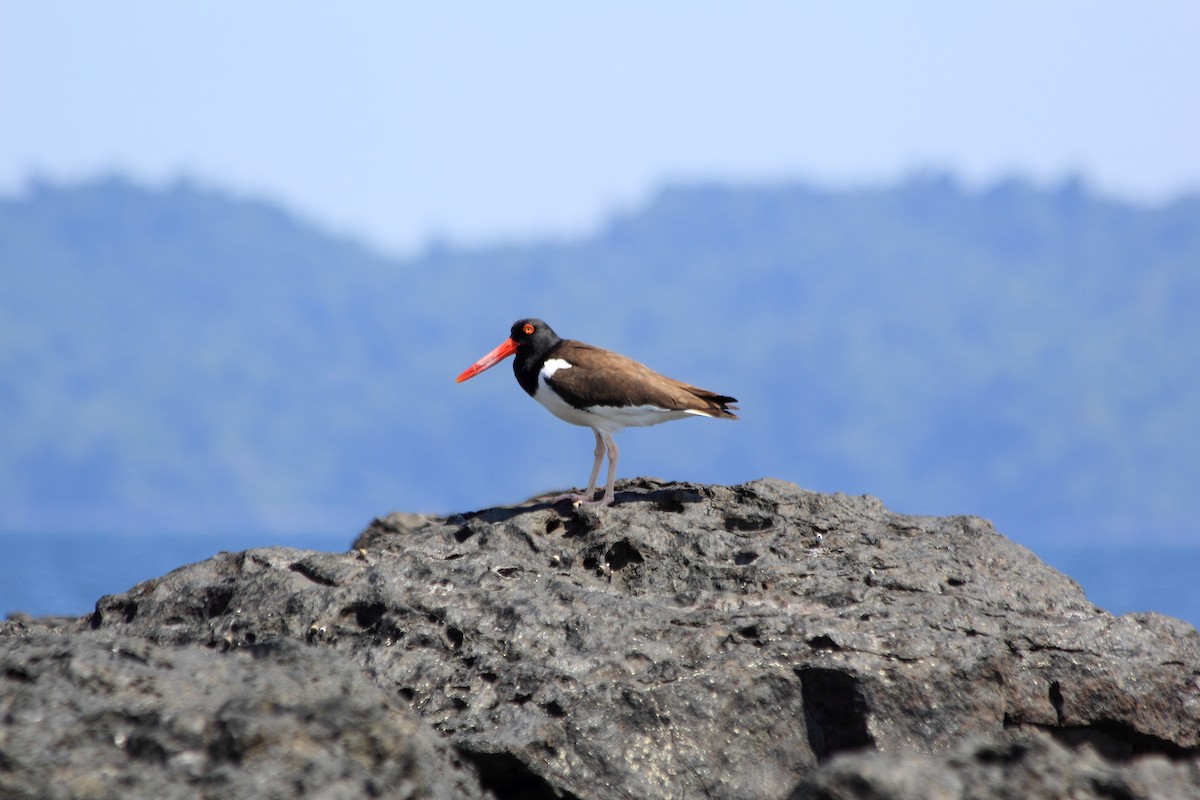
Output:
x=598 y=389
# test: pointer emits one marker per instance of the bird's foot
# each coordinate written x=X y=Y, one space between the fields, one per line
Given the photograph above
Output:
x=580 y=499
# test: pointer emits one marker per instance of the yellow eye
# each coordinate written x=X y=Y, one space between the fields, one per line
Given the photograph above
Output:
x=528 y=329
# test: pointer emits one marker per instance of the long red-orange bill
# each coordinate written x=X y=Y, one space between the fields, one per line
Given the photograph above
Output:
x=490 y=360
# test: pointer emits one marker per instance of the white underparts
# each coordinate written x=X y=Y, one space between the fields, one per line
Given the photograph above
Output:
x=605 y=419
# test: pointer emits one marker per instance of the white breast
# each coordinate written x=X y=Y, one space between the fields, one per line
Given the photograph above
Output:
x=555 y=404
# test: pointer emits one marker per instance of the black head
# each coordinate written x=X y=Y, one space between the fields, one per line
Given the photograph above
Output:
x=532 y=337
x=530 y=340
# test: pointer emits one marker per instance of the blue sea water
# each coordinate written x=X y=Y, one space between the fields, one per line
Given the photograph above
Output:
x=67 y=573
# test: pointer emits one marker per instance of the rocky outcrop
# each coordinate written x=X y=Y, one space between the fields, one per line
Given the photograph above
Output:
x=1006 y=766
x=99 y=715
x=691 y=641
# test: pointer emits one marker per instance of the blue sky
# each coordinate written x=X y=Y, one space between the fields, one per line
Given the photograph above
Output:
x=474 y=123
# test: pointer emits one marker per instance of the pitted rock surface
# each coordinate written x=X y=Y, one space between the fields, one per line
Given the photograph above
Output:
x=699 y=641
x=93 y=715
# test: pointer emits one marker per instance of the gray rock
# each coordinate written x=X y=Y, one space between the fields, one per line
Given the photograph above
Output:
x=701 y=641
x=99 y=715
x=1014 y=765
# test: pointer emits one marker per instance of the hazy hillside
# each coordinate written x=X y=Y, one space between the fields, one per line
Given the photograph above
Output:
x=182 y=360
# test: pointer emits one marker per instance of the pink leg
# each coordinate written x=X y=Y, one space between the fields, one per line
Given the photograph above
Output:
x=591 y=490
x=609 y=493
x=586 y=497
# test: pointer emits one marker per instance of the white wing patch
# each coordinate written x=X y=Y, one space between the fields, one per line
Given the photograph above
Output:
x=553 y=365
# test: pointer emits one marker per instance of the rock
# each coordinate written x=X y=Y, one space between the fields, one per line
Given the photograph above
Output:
x=702 y=641
x=1013 y=764
x=99 y=715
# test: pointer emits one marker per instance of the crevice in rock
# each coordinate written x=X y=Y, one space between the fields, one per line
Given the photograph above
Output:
x=366 y=615
x=19 y=674
x=306 y=569
x=622 y=554
x=1056 y=700
x=454 y=636
x=127 y=609
x=748 y=522
x=216 y=601
x=144 y=747
x=670 y=505
x=1118 y=741
x=226 y=747
x=582 y=521
x=673 y=501
x=509 y=778
x=472 y=527
x=835 y=712
x=824 y=642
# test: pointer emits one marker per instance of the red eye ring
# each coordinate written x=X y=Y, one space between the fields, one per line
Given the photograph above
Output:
x=528 y=329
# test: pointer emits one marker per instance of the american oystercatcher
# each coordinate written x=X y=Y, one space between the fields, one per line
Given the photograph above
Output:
x=597 y=389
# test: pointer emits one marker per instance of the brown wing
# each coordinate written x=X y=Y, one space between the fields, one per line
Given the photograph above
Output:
x=604 y=378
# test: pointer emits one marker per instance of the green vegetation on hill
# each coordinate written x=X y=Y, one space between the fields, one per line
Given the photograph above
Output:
x=179 y=359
